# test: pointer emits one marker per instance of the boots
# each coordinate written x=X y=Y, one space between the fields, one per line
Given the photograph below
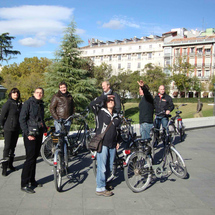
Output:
x=4 y=168
x=10 y=164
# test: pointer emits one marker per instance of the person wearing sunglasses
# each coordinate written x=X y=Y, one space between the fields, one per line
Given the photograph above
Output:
x=9 y=121
x=104 y=117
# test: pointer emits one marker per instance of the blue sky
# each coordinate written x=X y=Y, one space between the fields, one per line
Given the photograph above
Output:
x=38 y=25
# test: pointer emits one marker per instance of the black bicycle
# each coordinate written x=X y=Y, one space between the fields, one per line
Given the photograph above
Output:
x=76 y=140
x=139 y=165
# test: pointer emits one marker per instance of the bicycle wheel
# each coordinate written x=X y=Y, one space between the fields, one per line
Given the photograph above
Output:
x=137 y=173
x=182 y=132
x=112 y=175
x=176 y=163
x=172 y=133
x=47 y=150
x=58 y=173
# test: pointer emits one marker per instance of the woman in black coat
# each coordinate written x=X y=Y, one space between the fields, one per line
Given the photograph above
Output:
x=9 y=121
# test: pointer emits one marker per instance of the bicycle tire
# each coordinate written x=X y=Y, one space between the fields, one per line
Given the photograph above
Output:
x=176 y=163
x=138 y=173
x=181 y=132
x=172 y=133
x=111 y=177
x=58 y=173
x=47 y=150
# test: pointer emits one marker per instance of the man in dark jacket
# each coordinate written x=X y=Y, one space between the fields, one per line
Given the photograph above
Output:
x=32 y=124
x=163 y=106
x=146 y=110
x=108 y=91
x=62 y=106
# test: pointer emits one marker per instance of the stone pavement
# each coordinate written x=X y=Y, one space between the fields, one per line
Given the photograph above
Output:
x=192 y=196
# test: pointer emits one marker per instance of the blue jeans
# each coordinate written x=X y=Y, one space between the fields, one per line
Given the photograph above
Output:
x=162 y=121
x=105 y=161
x=145 y=129
x=58 y=126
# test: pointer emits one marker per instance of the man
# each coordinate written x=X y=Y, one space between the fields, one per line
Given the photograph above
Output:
x=32 y=124
x=62 y=106
x=146 y=110
x=163 y=106
x=108 y=91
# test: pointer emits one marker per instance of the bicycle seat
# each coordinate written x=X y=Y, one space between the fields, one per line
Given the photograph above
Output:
x=178 y=112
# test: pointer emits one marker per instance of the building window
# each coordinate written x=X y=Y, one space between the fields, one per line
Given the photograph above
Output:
x=199 y=50
x=110 y=57
x=119 y=65
x=129 y=66
x=167 y=62
x=207 y=51
x=150 y=46
x=119 y=57
x=101 y=58
x=94 y=51
x=139 y=65
x=110 y=50
x=129 y=56
x=93 y=58
x=207 y=73
x=120 y=49
x=150 y=55
x=199 y=73
x=102 y=50
x=139 y=47
x=177 y=52
x=139 y=56
x=192 y=50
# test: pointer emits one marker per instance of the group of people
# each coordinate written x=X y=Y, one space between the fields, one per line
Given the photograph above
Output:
x=30 y=118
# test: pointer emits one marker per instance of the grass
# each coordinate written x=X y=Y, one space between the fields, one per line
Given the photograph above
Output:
x=188 y=111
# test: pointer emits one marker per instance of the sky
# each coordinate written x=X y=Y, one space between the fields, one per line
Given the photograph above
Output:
x=38 y=25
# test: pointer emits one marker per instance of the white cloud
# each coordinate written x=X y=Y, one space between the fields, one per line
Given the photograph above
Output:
x=32 y=42
x=80 y=31
x=113 y=24
x=119 y=22
x=37 y=23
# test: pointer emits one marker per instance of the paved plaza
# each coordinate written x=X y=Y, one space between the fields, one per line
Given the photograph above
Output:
x=192 y=196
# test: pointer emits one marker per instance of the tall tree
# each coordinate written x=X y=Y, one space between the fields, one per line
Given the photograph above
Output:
x=69 y=67
x=154 y=77
x=26 y=76
x=6 y=47
x=182 y=71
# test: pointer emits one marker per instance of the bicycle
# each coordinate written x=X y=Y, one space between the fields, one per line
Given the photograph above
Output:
x=77 y=140
x=179 y=128
x=139 y=166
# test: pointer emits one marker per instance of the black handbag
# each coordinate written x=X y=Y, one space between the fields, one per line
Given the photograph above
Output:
x=96 y=142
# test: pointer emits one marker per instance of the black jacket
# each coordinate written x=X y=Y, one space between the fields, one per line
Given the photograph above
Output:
x=146 y=107
x=9 y=118
x=103 y=119
x=32 y=113
x=117 y=107
x=162 y=104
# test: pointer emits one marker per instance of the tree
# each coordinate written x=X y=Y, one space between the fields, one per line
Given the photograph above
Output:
x=6 y=47
x=154 y=77
x=69 y=67
x=26 y=76
x=182 y=71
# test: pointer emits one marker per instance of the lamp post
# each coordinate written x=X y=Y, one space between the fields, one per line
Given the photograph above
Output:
x=214 y=101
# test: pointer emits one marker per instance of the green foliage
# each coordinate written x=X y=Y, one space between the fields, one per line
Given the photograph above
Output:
x=26 y=76
x=154 y=77
x=75 y=71
x=6 y=47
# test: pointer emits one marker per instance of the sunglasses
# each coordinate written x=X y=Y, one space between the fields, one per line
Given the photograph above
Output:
x=112 y=100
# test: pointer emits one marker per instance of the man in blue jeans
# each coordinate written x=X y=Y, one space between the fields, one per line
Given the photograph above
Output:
x=163 y=106
x=146 y=110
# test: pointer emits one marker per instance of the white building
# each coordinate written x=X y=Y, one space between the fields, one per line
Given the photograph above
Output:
x=129 y=54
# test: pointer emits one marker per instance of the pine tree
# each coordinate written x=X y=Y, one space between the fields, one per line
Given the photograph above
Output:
x=69 y=67
x=6 y=47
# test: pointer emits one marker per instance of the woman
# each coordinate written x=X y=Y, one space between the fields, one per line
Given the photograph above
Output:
x=9 y=121
x=32 y=124
x=105 y=159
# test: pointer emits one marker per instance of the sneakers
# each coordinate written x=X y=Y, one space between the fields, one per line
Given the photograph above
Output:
x=105 y=193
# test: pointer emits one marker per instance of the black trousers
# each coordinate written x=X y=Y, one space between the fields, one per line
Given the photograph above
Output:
x=32 y=148
x=10 y=141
